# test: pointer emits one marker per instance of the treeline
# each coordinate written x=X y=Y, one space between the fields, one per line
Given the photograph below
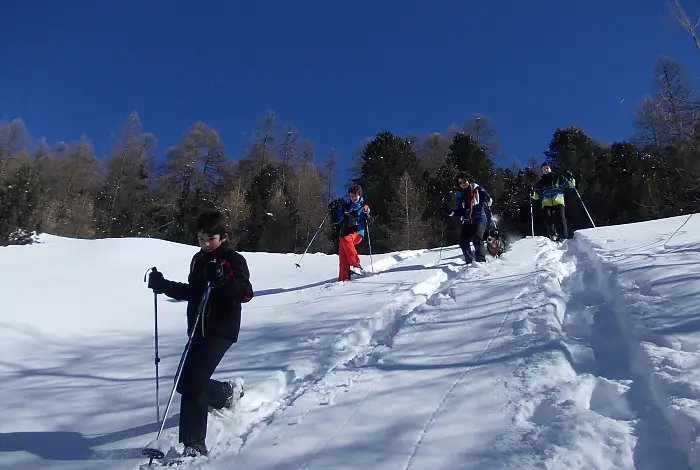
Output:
x=277 y=192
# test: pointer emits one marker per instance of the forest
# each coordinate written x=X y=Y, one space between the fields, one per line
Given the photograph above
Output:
x=276 y=192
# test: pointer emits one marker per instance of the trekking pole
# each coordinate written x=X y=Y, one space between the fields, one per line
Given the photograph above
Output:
x=155 y=336
x=584 y=207
x=677 y=230
x=155 y=450
x=369 y=240
x=442 y=228
x=442 y=235
x=532 y=217
x=298 y=264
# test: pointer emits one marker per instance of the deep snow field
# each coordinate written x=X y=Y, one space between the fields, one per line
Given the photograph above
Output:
x=584 y=355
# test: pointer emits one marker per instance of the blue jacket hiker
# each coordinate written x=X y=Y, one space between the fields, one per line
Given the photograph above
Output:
x=550 y=190
x=472 y=200
x=351 y=217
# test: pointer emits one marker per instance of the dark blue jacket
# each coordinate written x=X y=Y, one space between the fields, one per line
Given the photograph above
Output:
x=355 y=221
x=470 y=203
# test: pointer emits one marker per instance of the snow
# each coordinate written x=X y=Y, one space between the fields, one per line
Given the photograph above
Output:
x=584 y=355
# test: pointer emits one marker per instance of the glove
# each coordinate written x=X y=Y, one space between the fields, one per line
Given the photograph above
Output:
x=156 y=282
x=489 y=202
x=447 y=211
x=214 y=272
x=569 y=175
x=365 y=209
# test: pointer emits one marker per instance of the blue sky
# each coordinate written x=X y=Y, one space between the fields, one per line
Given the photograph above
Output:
x=338 y=71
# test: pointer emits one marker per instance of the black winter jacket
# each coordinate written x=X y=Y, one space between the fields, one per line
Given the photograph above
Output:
x=222 y=316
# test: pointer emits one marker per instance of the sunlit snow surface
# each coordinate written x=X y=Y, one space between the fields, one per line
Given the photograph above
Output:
x=576 y=356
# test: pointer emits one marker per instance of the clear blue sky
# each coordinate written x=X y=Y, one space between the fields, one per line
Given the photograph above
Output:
x=338 y=71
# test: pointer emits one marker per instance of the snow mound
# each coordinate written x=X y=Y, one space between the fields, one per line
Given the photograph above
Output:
x=646 y=274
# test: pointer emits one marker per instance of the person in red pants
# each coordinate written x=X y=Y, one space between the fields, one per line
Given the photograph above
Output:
x=351 y=217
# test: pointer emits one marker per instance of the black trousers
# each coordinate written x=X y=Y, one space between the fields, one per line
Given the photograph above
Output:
x=473 y=232
x=555 y=221
x=199 y=391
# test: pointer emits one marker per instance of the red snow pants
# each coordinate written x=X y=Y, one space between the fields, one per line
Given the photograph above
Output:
x=347 y=254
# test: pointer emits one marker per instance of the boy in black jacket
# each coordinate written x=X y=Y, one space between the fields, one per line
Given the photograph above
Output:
x=216 y=331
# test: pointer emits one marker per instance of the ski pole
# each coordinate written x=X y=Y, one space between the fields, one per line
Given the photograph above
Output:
x=677 y=230
x=155 y=337
x=532 y=219
x=442 y=228
x=369 y=240
x=584 y=207
x=442 y=235
x=153 y=450
x=156 y=359
x=298 y=264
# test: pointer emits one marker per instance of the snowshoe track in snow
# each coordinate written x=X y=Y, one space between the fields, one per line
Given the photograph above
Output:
x=423 y=301
x=352 y=349
x=581 y=406
x=448 y=393
x=607 y=354
x=358 y=345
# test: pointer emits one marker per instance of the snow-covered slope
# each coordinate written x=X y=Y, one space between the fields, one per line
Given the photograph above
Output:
x=581 y=356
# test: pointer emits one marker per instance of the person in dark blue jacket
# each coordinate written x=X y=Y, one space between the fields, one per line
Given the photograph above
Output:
x=472 y=200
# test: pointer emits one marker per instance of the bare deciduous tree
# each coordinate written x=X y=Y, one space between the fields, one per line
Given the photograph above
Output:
x=651 y=125
x=328 y=173
x=236 y=209
x=289 y=150
x=14 y=140
x=76 y=182
x=191 y=178
x=672 y=111
x=482 y=129
x=125 y=196
x=432 y=150
x=681 y=16
x=261 y=150
x=408 y=230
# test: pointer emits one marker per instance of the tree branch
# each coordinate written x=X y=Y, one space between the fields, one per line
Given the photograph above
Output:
x=679 y=13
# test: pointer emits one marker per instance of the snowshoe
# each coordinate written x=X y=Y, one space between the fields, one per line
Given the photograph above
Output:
x=189 y=454
x=357 y=270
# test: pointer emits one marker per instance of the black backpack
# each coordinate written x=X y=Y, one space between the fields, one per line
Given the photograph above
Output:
x=334 y=210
